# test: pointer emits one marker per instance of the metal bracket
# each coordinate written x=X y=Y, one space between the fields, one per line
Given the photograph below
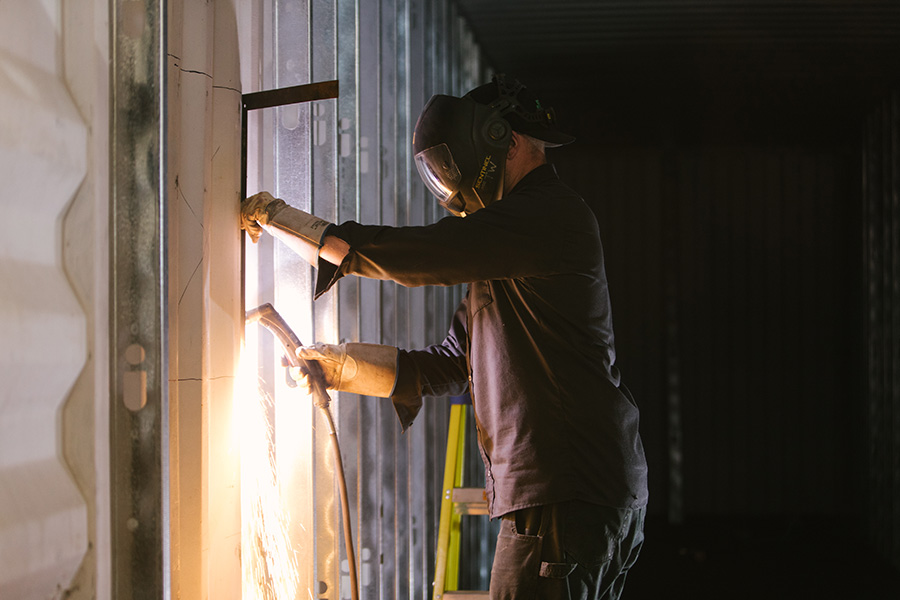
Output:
x=308 y=92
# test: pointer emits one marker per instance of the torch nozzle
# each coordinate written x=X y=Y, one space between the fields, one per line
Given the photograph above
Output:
x=268 y=317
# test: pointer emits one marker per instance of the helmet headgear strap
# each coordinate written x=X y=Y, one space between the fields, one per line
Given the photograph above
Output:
x=508 y=102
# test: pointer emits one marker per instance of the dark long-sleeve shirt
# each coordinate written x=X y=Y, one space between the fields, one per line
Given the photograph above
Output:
x=532 y=341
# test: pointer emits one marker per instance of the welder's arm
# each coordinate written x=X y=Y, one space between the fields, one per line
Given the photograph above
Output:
x=369 y=369
x=334 y=249
x=438 y=371
x=302 y=232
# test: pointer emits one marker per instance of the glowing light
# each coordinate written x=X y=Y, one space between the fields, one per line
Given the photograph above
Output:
x=268 y=560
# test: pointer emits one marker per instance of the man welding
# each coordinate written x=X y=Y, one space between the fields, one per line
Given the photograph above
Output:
x=532 y=341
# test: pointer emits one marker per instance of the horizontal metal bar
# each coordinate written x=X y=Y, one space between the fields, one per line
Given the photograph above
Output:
x=291 y=95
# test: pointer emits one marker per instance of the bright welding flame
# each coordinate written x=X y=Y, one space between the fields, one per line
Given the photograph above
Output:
x=269 y=562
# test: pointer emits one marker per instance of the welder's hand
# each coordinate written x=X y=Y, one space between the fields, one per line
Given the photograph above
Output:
x=300 y=375
x=330 y=357
x=300 y=231
x=257 y=210
x=369 y=369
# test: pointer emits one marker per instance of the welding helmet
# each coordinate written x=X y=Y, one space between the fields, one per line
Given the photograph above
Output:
x=460 y=150
x=460 y=144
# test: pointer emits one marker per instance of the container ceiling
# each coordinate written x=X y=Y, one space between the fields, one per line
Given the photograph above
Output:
x=531 y=26
x=827 y=55
x=520 y=32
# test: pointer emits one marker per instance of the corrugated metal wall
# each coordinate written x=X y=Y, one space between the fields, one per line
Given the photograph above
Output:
x=351 y=160
x=731 y=273
x=881 y=230
x=49 y=145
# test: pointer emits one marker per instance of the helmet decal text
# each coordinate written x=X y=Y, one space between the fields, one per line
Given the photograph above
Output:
x=487 y=168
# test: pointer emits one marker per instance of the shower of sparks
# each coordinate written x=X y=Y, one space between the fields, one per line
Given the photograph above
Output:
x=269 y=562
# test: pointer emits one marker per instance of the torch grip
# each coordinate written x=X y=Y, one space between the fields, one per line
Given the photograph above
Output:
x=317 y=382
x=268 y=317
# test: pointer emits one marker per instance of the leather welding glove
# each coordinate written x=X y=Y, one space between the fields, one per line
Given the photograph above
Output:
x=301 y=231
x=368 y=369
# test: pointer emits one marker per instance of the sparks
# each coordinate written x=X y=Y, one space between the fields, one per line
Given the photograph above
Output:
x=269 y=563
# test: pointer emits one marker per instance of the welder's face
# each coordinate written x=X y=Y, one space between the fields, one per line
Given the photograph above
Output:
x=460 y=149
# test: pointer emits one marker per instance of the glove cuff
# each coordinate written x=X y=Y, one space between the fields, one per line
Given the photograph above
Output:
x=369 y=369
x=301 y=231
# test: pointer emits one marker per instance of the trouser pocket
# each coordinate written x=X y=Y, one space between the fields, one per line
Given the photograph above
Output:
x=529 y=563
x=517 y=564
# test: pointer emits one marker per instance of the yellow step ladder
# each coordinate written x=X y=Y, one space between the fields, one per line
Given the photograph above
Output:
x=455 y=502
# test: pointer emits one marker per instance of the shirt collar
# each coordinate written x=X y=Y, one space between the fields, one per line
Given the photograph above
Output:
x=536 y=176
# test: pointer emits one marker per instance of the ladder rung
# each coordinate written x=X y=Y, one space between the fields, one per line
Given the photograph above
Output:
x=467 y=595
x=470 y=501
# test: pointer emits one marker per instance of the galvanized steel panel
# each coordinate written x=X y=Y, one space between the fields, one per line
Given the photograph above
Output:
x=351 y=160
x=138 y=292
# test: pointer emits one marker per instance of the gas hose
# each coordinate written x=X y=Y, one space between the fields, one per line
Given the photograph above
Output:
x=268 y=317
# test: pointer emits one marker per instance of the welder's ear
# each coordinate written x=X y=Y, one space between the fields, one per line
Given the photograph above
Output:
x=515 y=143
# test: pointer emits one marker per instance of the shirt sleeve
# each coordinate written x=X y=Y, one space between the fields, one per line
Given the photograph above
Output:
x=519 y=236
x=438 y=370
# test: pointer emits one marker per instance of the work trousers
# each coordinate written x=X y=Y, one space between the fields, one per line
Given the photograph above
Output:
x=567 y=551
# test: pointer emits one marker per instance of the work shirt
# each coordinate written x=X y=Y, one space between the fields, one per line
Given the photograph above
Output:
x=532 y=342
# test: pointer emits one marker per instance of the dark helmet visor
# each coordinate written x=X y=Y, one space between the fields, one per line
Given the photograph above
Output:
x=439 y=172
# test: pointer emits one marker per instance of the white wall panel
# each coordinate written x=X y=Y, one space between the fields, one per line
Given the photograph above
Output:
x=43 y=329
x=204 y=125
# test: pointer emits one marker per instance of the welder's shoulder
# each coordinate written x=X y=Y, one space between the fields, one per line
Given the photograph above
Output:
x=564 y=202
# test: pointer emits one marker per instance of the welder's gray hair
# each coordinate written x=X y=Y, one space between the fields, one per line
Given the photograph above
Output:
x=539 y=145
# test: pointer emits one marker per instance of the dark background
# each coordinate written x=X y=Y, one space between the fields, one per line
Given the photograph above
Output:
x=741 y=158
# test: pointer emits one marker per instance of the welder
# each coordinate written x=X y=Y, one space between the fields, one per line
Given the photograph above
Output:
x=532 y=341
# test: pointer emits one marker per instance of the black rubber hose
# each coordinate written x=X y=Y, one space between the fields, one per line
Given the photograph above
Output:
x=267 y=316
x=345 y=501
